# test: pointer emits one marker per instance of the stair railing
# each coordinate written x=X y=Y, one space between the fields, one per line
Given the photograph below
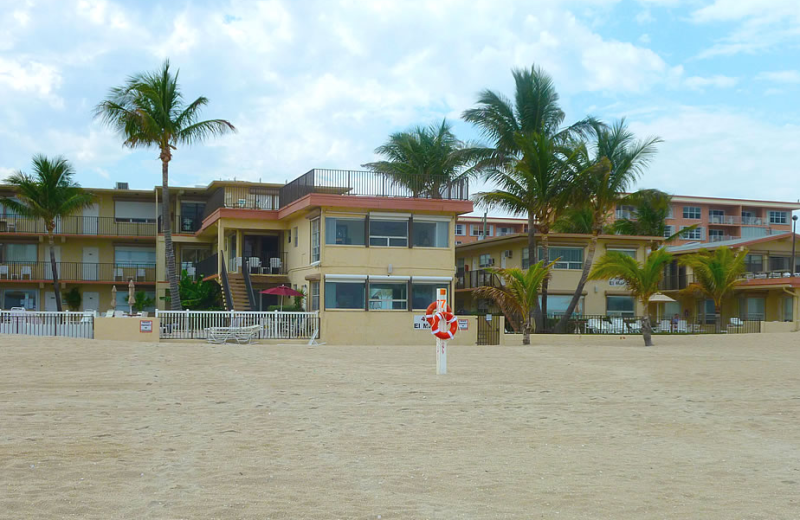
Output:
x=248 y=285
x=226 y=288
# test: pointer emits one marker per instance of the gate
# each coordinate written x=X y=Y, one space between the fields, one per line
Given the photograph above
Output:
x=488 y=330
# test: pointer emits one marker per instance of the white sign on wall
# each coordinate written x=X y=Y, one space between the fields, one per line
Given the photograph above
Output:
x=616 y=282
x=420 y=323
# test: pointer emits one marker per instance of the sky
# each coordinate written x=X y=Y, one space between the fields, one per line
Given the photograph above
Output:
x=322 y=83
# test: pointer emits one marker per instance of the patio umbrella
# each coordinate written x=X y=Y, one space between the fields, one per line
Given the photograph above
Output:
x=660 y=298
x=282 y=291
x=131 y=294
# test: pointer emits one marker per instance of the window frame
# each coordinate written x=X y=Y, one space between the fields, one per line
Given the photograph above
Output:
x=436 y=224
x=315 y=235
x=463 y=230
x=371 y=300
x=689 y=210
x=620 y=313
x=691 y=236
x=388 y=238
x=361 y=282
x=363 y=222
x=560 y=265
x=773 y=214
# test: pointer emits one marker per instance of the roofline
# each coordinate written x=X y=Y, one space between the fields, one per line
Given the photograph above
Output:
x=726 y=243
x=517 y=236
x=773 y=203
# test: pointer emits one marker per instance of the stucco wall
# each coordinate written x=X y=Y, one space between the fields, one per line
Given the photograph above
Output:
x=779 y=326
x=385 y=328
x=125 y=329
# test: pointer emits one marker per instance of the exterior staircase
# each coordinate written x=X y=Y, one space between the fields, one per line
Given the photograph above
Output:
x=238 y=293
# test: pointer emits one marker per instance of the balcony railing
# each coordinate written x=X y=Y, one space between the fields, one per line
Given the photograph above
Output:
x=475 y=279
x=273 y=263
x=78 y=272
x=78 y=225
x=370 y=184
x=724 y=220
x=721 y=238
x=243 y=197
x=754 y=221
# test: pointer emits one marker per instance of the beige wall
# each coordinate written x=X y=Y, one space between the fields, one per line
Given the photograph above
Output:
x=125 y=329
x=385 y=328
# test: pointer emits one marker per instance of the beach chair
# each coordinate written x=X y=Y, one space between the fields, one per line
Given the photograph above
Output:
x=109 y=313
x=254 y=262
x=617 y=326
x=140 y=274
x=683 y=326
x=635 y=326
x=665 y=326
x=119 y=274
x=594 y=326
x=4 y=271
x=26 y=269
x=119 y=314
x=274 y=265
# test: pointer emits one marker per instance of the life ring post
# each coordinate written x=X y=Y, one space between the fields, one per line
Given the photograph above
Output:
x=441 y=357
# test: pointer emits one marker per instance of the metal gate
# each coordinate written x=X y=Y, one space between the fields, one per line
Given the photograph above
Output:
x=488 y=330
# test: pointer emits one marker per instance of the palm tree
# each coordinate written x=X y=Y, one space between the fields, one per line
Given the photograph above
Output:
x=427 y=160
x=642 y=279
x=149 y=111
x=49 y=194
x=530 y=124
x=652 y=209
x=715 y=275
x=609 y=170
x=518 y=293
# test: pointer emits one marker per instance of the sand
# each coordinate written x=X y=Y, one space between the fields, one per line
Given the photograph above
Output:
x=696 y=427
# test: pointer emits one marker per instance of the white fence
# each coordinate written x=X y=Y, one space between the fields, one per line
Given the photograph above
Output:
x=274 y=325
x=41 y=323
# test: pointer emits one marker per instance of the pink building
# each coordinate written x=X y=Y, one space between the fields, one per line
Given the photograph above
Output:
x=470 y=229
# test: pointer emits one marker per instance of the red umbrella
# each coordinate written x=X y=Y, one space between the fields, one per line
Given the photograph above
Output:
x=282 y=291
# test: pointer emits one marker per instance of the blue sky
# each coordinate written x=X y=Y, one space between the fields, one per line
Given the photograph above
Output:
x=322 y=83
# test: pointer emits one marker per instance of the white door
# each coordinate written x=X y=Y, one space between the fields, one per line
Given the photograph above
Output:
x=475 y=264
x=47 y=267
x=90 y=301
x=90 y=215
x=50 y=301
x=503 y=260
x=90 y=265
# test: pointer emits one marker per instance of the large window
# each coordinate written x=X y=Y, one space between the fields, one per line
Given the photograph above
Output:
x=620 y=305
x=191 y=216
x=388 y=296
x=345 y=295
x=391 y=233
x=692 y=212
x=315 y=240
x=139 y=256
x=557 y=304
x=778 y=217
x=503 y=231
x=345 y=231
x=692 y=234
x=21 y=298
x=431 y=234
x=628 y=252
x=626 y=212
x=779 y=263
x=423 y=294
x=18 y=253
x=476 y=230
x=754 y=263
x=567 y=257
x=134 y=211
x=314 y=296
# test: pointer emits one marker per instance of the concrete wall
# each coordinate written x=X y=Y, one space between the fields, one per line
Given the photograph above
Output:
x=125 y=329
x=385 y=328
x=779 y=326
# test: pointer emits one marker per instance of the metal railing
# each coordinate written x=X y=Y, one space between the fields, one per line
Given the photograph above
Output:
x=42 y=323
x=243 y=197
x=226 y=286
x=699 y=324
x=371 y=184
x=274 y=263
x=78 y=272
x=78 y=225
x=474 y=279
x=274 y=324
x=205 y=268
x=724 y=219
x=721 y=238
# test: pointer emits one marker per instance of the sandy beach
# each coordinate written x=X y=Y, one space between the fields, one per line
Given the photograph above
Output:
x=696 y=427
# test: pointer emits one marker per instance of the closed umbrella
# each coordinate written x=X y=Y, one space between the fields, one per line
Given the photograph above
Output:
x=282 y=290
x=131 y=294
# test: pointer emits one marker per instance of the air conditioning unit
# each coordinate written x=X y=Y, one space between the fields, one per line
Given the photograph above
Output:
x=507 y=253
x=121 y=186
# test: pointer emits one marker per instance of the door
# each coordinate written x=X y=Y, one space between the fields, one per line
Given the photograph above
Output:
x=503 y=261
x=488 y=329
x=90 y=265
x=50 y=301
x=90 y=219
x=90 y=301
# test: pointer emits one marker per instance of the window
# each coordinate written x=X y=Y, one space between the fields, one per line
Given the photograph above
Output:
x=620 y=305
x=460 y=230
x=430 y=234
x=344 y=295
x=557 y=304
x=567 y=257
x=19 y=253
x=315 y=241
x=788 y=309
x=669 y=231
x=289 y=236
x=626 y=212
x=191 y=216
x=754 y=263
x=716 y=216
x=296 y=236
x=754 y=232
x=22 y=298
x=629 y=252
x=692 y=212
x=779 y=263
x=423 y=294
x=503 y=231
x=314 y=296
x=526 y=261
x=692 y=234
x=476 y=230
x=778 y=217
x=486 y=260
x=139 y=256
x=715 y=235
x=755 y=308
x=391 y=233
x=345 y=231
x=458 y=242
x=670 y=213
x=134 y=211
x=388 y=296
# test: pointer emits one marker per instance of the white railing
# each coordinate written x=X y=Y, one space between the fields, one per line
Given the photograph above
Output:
x=44 y=323
x=274 y=325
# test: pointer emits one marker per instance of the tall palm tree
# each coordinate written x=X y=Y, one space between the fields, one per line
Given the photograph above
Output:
x=50 y=194
x=427 y=160
x=149 y=111
x=715 y=275
x=531 y=123
x=609 y=170
x=642 y=279
x=518 y=293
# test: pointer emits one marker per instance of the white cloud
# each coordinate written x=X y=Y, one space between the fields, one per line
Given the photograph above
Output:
x=780 y=76
x=6 y=172
x=717 y=81
x=182 y=39
x=35 y=77
x=644 y=17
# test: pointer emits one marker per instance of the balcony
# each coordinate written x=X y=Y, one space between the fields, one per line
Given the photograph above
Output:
x=675 y=282
x=265 y=264
x=77 y=272
x=724 y=220
x=754 y=221
x=721 y=238
x=78 y=225
x=475 y=279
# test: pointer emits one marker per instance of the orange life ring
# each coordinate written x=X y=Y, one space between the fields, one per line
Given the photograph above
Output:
x=430 y=312
x=449 y=319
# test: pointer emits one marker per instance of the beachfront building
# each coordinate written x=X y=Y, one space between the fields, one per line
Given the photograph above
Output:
x=471 y=228
x=721 y=219
x=602 y=297
x=107 y=244
x=366 y=251
x=768 y=291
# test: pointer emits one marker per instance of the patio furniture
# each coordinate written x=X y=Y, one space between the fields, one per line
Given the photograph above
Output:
x=275 y=265
x=617 y=326
x=26 y=269
x=191 y=271
x=635 y=326
x=3 y=271
x=760 y=276
x=254 y=262
x=665 y=326
x=140 y=273
x=119 y=273
x=683 y=326
x=596 y=325
x=220 y=335
x=109 y=313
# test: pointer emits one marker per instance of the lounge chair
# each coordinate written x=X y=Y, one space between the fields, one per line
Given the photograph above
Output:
x=683 y=326
x=617 y=326
x=595 y=326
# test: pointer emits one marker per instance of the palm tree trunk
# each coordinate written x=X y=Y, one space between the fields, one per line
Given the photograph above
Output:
x=535 y=315
x=587 y=265
x=166 y=227
x=545 y=284
x=647 y=330
x=54 y=267
x=718 y=318
x=526 y=333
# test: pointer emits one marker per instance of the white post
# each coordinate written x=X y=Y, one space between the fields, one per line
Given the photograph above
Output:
x=441 y=357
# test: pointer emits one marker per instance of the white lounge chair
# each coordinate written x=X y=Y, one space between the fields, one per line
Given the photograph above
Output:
x=109 y=313
x=617 y=326
x=140 y=274
x=683 y=326
x=3 y=271
x=596 y=325
x=275 y=265
x=665 y=326
x=26 y=269
x=119 y=273
x=254 y=262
